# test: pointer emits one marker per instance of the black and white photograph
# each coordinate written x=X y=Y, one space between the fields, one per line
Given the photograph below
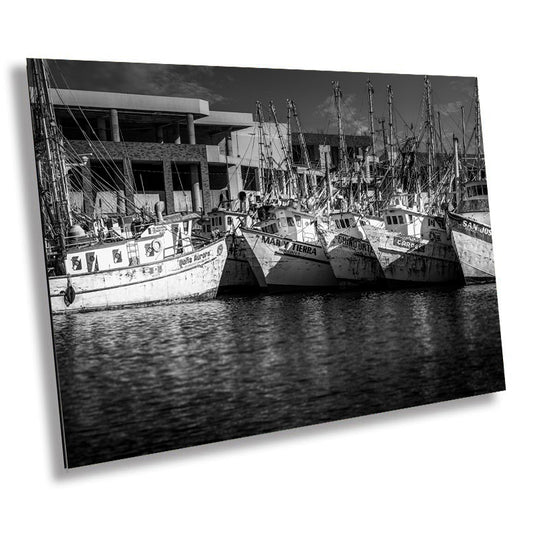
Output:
x=265 y=267
x=237 y=251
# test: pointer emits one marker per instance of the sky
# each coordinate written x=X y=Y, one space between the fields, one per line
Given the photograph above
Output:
x=237 y=89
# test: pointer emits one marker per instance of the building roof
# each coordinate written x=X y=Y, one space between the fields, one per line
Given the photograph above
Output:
x=129 y=102
x=227 y=118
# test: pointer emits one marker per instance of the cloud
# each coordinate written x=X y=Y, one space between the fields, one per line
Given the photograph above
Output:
x=163 y=80
x=449 y=108
x=463 y=86
x=354 y=120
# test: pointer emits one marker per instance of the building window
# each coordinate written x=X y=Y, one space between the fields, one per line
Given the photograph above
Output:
x=76 y=263
x=389 y=220
x=400 y=219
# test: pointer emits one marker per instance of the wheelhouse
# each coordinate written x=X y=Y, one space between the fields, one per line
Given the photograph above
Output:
x=408 y=221
x=476 y=190
x=157 y=242
x=291 y=224
x=222 y=222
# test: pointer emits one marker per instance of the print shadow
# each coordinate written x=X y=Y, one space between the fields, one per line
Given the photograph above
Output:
x=31 y=235
x=277 y=438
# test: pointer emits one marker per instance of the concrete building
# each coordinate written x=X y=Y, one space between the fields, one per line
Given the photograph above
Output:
x=140 y=149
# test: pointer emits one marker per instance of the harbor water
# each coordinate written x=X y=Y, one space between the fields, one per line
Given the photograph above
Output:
x=146 y=380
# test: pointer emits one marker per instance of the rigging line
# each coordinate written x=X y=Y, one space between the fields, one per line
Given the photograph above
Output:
x=181 y=185
x=90 y=141
x=87 y=138
x=75 y=158
x=102 y=190
x=81 y=111
x=242 y=160
x=101 y=159
x=111 y=183
x=97 y=187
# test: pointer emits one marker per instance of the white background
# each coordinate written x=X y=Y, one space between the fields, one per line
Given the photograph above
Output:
x=460 y=466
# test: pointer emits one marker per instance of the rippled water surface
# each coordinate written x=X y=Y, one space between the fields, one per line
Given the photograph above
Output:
x=146 y=380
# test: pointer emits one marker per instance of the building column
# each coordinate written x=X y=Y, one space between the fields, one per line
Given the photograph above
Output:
x=169 y=187
x=190 y=128
x=196 y=192
x=87 y=186
x=101 y=129
x=235 y=184
x=160 y=134
x=129 y=186
x=115 y=130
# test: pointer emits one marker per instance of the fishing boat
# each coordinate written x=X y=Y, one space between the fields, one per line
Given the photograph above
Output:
x=95 y=264
x=471 y=234
x=469 y=224
x=413 y=248
x=351 y=256
x=284 y=251
x=237 y=273
x=159 y=265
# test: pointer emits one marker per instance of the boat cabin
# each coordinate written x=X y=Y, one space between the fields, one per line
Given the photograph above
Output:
x=408 y=221
x=475 y=201
x=476 y=190
x=290 y=223
x=155 y=243
x=222 y=222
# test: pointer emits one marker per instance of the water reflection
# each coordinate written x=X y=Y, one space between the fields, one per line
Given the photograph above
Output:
x=146 y=380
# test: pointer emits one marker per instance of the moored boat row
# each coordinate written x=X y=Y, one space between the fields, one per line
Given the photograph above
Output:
x=366 y=223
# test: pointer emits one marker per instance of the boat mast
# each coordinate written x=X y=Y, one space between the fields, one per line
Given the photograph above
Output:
x=372 y=168
x=259 y=111
x=385 y=143
x=303 y=145
x=458 y=186
x=431 y=138
x=343 y=156
x=287 y=188
x=463 y=130
x=289 y=134
x=440 y=134
x=52 y=169
x=391 y=136
x=371 y=117
x=478 y=134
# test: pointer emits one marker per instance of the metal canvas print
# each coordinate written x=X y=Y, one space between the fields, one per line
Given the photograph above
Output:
x=235 y=251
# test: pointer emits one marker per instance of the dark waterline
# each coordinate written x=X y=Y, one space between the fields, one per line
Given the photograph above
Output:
x=146 y=380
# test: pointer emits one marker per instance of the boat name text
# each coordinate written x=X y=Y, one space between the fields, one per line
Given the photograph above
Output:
x=287 y=246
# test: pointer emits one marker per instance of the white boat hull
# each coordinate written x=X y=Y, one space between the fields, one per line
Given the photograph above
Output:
x=412 y=260
x=190 y=276
x=237 y=272
x=472 y=241
x=280 y=263
x=352 y=259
